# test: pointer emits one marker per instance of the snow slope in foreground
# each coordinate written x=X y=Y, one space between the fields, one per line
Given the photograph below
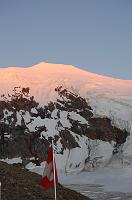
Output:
x=112 y=180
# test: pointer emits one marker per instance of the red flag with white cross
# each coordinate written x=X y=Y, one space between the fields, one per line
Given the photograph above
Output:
x=47 y=180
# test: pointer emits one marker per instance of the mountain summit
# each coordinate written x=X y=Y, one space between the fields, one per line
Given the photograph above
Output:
x=44 y=77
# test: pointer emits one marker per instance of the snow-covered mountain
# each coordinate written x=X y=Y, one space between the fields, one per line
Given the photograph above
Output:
x=88 y=115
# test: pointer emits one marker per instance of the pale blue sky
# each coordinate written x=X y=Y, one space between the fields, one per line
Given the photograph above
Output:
x=95 y=35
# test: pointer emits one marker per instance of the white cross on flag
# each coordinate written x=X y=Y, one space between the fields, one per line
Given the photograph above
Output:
x=47 y=180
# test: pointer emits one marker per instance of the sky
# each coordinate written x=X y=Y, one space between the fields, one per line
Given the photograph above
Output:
x=95 y=35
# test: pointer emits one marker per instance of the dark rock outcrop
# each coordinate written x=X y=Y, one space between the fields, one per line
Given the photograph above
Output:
x=26 y=143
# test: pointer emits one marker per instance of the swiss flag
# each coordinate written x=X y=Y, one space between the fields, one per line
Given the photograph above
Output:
x=47 y=180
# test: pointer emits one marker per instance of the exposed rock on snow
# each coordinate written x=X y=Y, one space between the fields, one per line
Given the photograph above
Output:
x=80 y=139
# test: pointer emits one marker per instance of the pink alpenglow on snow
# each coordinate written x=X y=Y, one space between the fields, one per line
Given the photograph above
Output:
x=43 y=78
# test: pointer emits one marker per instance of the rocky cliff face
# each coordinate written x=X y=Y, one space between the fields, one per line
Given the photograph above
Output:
x=80 y=138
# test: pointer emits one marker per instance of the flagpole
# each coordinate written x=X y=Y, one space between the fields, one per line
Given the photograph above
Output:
x=54 y=169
